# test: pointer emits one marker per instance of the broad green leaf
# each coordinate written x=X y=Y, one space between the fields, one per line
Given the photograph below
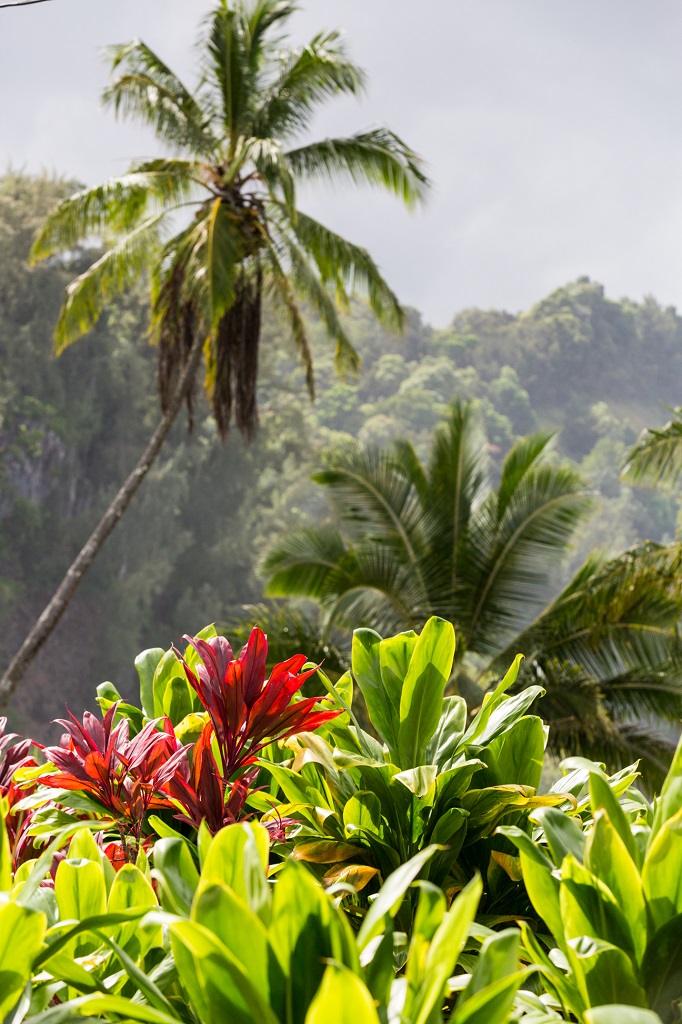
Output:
x=391 y=895
x=604 y=973
x=541 y=884
x=662 y=872
x=418 y=780
x=607 y=857
x=130 y=890
x=307 y=929
x=324 y=851
x=563 y=833
x=167 y=669
x=507 y=711
x=80 y=889
x=177 y=699
x=382 y=707
x=176 y=875
x=227 y=916
x=238 y=857
x=21 y=936
x=343 y=998
x=588 y=908
x=421 y=701
x=492 y=1004
x=443 y=952
x=362 y=813
x=661 y=970
x=83 y=1006
x=451 y=727
x=498 y=958
x=601 y=795
x=516 y=757
x=490 y=703
x=146 y=664
x=618 y=1013
x=217 y=986
x=670 y=800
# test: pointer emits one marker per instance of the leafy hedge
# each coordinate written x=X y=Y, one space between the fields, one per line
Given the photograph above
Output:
x=236 y=850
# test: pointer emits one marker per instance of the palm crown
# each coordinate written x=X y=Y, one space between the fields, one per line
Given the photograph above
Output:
x=233 y=162
x=409 y=540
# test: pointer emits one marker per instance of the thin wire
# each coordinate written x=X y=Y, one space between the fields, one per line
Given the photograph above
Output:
x=22 y=3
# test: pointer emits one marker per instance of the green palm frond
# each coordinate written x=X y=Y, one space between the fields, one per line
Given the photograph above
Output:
x=110 y=276
x=375 y=157
x=348 y=268
x=307 y=77
x=290 y=630
x=309 y=286
x=657 y=455
x=278 y=286
x=307 y=563
x=505 y=574
x=617 y=618
x=147 y=90
x=116 y=205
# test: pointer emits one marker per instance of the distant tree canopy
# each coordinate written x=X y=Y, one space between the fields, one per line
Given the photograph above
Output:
x=187 y=553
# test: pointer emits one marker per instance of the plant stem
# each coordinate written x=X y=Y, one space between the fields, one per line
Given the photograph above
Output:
x=62 y=597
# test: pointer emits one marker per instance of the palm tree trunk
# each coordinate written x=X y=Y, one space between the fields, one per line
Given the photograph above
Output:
x=61 y=599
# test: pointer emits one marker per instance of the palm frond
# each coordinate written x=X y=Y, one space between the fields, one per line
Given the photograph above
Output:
x=305 y=563
x=109 y=277
x=147 y=90
x=657 y=455
x=277 y=285
x=307 y=283
x=306 y=78
x=348 y=268
x=505 y=572
x=375 y=157
x=522 y=457
x=290 y=630
x=616 y=620
x=115 y=206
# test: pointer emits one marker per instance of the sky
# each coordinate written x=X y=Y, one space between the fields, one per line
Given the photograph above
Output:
x=551 y=131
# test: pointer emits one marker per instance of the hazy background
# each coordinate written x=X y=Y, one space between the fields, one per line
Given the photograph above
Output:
x=552 y=131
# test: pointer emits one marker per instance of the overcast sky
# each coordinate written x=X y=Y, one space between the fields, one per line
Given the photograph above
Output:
x=551 y=129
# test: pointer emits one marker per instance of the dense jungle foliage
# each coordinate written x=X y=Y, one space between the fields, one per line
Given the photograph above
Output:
x=188 y=550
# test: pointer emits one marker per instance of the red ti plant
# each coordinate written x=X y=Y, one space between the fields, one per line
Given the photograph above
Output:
x=14 y=756
x=122 y=775
x=247 y=712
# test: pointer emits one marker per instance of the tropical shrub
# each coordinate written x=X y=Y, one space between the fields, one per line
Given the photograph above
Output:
x=234 y=850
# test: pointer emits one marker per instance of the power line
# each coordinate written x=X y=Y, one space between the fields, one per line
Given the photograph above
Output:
x=22 y=3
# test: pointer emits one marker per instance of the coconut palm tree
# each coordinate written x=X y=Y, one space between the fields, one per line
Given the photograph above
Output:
x=408 y=539
x=215 y=224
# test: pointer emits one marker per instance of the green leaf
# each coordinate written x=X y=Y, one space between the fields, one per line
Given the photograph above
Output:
x=343 y=998
x=607 y=857
x=516 y=757
x=604 y=972
x=662 y=872
x=176 y=875
x=391 y=895
x=661 y=971
x=218 y=987
x=130 y=891
x=222 y=912
x=563 y=833
x=80 y=889
x=670 y=799
x=541 y=884
x=362 y=813
x=618 y=1013
x=383 y=706
x=146 y=664
x=588 y=908
x=238 y=857
x=421 y=701
x=499 y=957
x=167 y=669
x=602 y=796
x=451 y=728
x=21 y=936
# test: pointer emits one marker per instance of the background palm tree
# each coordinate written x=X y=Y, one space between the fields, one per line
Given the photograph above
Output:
x=215 y=224
x=409 y=539
x=656 y=457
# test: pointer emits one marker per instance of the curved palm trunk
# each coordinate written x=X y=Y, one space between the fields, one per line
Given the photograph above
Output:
x=61 y=599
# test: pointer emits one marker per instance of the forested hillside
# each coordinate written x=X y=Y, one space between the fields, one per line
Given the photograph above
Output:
x=187 y=551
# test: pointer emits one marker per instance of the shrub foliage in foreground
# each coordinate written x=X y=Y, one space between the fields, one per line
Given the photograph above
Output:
x=232 y=850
